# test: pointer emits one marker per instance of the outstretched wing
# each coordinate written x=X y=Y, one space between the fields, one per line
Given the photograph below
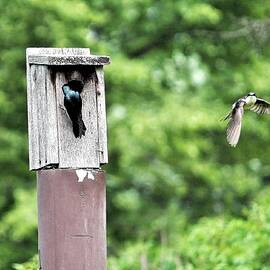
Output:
x=261 y=107
x=229 y=114
x=234 y=125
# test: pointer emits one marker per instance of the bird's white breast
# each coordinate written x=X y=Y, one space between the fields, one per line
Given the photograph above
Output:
x=250 y=100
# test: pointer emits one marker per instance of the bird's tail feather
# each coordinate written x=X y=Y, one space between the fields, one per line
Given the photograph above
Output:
x=79 y=127
x=233 y=132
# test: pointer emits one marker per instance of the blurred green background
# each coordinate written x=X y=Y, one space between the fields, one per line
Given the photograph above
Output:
x=178 y=196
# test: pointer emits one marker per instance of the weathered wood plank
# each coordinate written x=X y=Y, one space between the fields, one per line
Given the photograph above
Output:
x=59 y=60
x=41 y=112
x=57 y=51
x=35 y=100
x=33 y=129
x=51 y=121
x=101 y=108
x=72 y=221
x=77 y=152
x=29 y=112
x=90 y=114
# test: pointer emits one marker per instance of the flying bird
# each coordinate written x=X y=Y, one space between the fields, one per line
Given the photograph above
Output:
x=73 y=104
x=248 y=102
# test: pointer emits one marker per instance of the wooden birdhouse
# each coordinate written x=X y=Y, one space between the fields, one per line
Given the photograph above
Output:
x=52 y=143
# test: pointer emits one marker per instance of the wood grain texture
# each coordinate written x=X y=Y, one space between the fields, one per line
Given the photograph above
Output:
x=43 y=143
x=101 y=108
x=50 y=120
x=29 y=112
x=33 y=128
x=40 y=89
x=41 y=102
x=77 y=152
x=51 y=138
x=58 y=60
x=72 y=221
x=57 y=51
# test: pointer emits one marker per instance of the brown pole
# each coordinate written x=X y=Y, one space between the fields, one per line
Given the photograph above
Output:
x=72 y=220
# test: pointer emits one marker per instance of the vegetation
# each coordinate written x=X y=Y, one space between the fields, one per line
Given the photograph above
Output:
x=178 y=196
x=213 y=243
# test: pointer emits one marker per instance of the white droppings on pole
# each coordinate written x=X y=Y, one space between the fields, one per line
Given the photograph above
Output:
x=90 y=176
x=81 y=174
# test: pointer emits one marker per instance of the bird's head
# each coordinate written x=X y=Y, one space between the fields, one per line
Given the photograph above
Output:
x=251 y=98
x=65 y=89
x=76 y=85
x=251 y=94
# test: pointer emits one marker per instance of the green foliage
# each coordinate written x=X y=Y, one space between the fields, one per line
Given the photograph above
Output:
x=177 y=194
x=213 y=243
x=30 y=265
x=232 y=243
x=143 y=255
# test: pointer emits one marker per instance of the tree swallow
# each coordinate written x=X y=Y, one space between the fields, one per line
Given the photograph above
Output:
x=250 y=102
x=73 y=105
